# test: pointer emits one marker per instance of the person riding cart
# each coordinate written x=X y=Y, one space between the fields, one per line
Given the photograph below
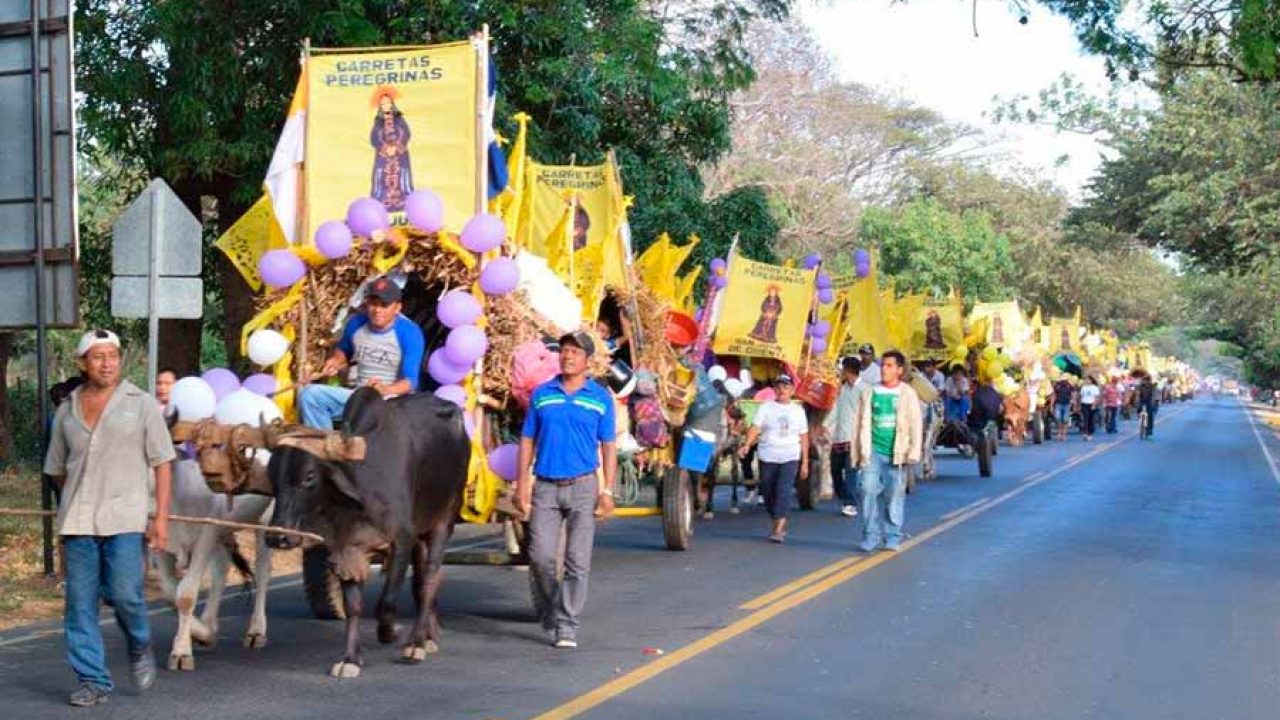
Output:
x=385 y=347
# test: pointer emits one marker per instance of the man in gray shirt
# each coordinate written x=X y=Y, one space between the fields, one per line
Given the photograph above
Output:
x=385 y=347
x=108 y=441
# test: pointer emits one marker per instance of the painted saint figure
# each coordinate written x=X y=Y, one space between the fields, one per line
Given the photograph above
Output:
x=997 y=330
x=581 y=227
x=392 y=172
x=933 y=339
x=1066 y=339
x=766 y=329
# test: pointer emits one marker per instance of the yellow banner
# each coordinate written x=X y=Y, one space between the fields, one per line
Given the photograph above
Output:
x=1006 y=327
x=552 y=188
x=863 y=316
x=384 y=123
x=1064 y=335
x=935 y=331
x=245 y=242
x=766 y=308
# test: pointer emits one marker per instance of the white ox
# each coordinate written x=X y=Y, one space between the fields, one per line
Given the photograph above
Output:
x=204 y=548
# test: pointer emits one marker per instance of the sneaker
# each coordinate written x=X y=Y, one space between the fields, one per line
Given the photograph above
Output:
x=849 y=511
x=566 y=643
x=893 y=546
x=88 y=695
x=143 y=671
x=778 y=538
x=868 y=547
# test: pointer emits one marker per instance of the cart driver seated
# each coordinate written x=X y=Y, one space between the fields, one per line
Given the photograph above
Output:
x=384 y=347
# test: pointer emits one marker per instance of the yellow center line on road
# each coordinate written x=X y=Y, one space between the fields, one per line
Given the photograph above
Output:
x=832 y=576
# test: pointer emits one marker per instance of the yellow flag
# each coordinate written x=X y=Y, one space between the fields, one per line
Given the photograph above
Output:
x=650 y=264
x=684 y=290
x=765 y=310
x=245 y=242
x=511 y=203
x=557 y=245
x=901 y=314
x=588 y=279
x=866 y=322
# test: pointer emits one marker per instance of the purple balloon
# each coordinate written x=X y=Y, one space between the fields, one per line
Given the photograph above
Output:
x=697 y=314
x=465 y=345
x=826 y=296
x=812 y=260
x=862 y=269
x=457 y=308
x=824 y=280
x=281 y=268
x=443 y=371
x=367 y=216
x=260 y=384
x=333 y=239
x=719 y=265
x=861 y=256
x=504 y=461
x=483 y=232
x=453 y=393
x=821 y=329
x=818 y=344
x=223 y=381
x=500 y=276
x=425 y=210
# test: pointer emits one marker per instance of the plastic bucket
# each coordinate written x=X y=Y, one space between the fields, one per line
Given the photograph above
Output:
x=696 y=450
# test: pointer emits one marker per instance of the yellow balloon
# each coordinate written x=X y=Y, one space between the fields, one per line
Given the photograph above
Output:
x=989 y=353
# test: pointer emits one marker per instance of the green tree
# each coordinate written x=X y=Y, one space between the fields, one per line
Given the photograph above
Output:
x=925 y=247
x=195 y=92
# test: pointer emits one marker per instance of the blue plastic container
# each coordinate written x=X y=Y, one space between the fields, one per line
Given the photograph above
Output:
x=696 y=450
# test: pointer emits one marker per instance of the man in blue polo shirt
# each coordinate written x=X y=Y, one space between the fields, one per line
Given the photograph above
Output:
x=570 y=430
x=385 y=347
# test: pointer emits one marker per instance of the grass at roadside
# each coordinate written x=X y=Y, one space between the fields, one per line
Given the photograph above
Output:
x=26 y=595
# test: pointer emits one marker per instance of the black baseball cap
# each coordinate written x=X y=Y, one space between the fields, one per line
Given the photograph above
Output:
x=385 y=289
x=867 y=349
x=581 y=340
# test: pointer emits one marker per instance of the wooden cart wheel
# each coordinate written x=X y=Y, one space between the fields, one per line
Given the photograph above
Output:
x=323 y=589
x=1037 y=428
x=677 y=509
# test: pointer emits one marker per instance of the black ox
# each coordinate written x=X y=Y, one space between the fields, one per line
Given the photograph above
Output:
x=401 y=501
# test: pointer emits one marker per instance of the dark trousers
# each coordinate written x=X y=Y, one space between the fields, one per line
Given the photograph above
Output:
x=1113 y=414
x=840 y=468
x=1088 y=417
x=777 y=485
x=749 y=464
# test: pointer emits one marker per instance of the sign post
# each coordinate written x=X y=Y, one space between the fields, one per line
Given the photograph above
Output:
x=156 y=262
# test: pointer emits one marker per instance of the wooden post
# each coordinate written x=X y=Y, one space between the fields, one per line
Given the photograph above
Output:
x=481 y=43
x=304 y=189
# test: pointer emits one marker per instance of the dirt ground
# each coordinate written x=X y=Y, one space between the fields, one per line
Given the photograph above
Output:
x=26 y=594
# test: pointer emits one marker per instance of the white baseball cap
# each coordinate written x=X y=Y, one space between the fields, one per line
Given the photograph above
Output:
x=96 y=337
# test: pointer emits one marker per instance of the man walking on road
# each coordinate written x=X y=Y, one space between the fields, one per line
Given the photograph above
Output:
x=839 y=427
x=108 y=442
x=570 y=430
x=1148 y=400
x=887 y=436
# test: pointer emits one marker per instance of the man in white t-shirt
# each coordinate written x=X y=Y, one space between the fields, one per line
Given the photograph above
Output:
x=782 y=431
x=1089 y=396
x=870 y=376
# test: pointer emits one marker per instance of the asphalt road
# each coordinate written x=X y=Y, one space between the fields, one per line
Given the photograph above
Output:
x=1113 y=579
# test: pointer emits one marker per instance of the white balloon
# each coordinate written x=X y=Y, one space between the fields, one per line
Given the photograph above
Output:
x=717 y=372
x=744 y=375
x=244 y=407
x=735 y=387
x=193 y=398
x=266 y=347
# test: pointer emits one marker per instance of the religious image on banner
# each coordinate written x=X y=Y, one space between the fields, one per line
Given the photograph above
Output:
x=392 y=170
x=1006 y=327
x=935 y=330
x=765 y=310
x=384 y=123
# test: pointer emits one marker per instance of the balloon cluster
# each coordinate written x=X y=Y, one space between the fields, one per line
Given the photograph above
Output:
x=818 y=333
x=220 y=395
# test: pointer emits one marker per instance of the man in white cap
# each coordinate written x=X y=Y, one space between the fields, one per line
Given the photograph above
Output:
x=107 y=444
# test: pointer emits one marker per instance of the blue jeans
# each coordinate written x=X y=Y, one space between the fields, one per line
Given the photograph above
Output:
x=884 y=498
x=111 y=567
x=956 y=408
x=1063 y=413
x=320 y=405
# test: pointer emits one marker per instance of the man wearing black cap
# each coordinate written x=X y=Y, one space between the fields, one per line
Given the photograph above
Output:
x=870 y=376
x=570 y=431
x=385 y=347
